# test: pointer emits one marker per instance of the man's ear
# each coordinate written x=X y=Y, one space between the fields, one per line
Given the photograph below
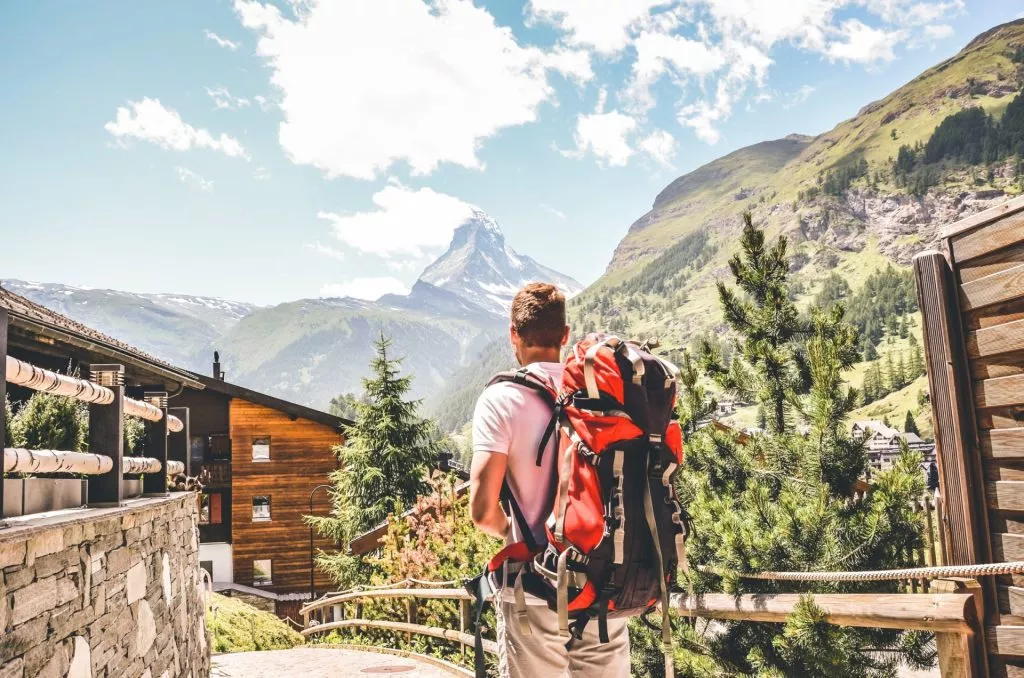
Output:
x=565 y=336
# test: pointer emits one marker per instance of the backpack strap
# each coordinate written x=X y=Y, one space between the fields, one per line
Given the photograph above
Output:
x=523 y=377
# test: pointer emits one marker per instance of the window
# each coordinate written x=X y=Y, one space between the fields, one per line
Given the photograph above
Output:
x=261 y=449
x=220 y=446
x=210 y=508
x=262 y=572
x=260 y=508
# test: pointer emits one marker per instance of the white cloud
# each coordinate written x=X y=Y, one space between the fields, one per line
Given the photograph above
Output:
x=864 y=44
x=605 y=134
x=222 y=99
x=938 y=31
x=325 y=250
x=405 y=222
x=148 y=120
x=659 y=53
x=370 y=289
x=364 y=85
x=190 y=178
x=558 y=213
x=605 y=26
x=660 y=146
x=798 y=97
x=223 y=42
x=263 y=102
x=261 y=173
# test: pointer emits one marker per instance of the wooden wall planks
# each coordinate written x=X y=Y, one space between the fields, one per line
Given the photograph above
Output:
x=991 y=341
x=995 y=262
x=993 y=289
x=301 y=457
x=999 y=392
x=995 y=235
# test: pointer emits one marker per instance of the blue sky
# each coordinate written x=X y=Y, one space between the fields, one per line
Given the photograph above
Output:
x=266 y=151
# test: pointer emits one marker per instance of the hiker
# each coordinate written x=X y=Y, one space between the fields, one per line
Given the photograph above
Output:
x=511 y=421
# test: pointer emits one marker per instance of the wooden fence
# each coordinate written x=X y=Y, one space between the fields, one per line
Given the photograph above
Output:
x=110 y=476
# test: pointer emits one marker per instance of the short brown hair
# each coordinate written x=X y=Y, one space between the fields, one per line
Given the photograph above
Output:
x=538 y=315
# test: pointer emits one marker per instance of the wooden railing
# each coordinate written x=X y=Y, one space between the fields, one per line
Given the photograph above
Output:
x=951 y=615
x=105 y=467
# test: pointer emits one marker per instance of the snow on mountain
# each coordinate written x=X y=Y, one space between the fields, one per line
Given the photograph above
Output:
x=176 y=327
x=480 y=267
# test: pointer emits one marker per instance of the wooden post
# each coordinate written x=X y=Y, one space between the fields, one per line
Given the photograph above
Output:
x=410 y=616
x=155 y=484
x=178 y=443
x=3 y=400
x=464 y=621
x=965 y=524
x=106 y=436
x=962 y=655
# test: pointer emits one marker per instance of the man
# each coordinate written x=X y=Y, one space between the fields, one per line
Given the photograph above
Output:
x=508 y=425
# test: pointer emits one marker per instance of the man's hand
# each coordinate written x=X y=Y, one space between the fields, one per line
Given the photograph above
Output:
x=485 y=478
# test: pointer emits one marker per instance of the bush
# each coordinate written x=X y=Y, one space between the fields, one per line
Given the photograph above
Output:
x=235 y=626
x=51 y=422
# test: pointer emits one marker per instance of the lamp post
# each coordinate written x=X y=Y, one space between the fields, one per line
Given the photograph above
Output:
x=312 y=592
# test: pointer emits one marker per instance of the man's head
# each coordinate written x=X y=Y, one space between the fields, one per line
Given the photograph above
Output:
x=537 y=328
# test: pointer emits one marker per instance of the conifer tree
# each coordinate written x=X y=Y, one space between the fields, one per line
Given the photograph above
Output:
x=384 y=462
x=909 y=425
x=780 y=501
x=901 y=371
x=870 y=353
x=891 y=377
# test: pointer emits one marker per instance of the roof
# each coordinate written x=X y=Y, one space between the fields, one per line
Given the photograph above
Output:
x=294 y=409
x=42 y=320
x=877 y=427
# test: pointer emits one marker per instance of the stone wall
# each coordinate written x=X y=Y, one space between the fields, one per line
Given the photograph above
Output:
x=104 y=593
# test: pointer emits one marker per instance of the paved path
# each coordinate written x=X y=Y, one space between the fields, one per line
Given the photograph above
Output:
x=310 y=662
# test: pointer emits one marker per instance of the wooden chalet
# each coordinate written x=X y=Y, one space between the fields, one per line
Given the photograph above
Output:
x=260 y=457
x=262 y=460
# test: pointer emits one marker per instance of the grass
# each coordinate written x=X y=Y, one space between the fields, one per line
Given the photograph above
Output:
x=235 y=626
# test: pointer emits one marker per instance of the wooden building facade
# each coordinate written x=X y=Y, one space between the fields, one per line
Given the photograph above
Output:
x=261 y=460
x=972 y=301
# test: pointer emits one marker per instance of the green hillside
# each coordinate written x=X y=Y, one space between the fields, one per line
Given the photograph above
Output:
x=866 y=195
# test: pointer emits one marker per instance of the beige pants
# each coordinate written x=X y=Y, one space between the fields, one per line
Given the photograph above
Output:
x=542 y=653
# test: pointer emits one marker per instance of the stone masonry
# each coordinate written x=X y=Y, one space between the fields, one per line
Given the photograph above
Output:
x=104 y=593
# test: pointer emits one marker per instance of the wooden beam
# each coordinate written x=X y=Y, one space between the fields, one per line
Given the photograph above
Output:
x=1007 y=641
x=178 y=445
x=1006 y=495
x=1004 y=338
x=1008 y=547
x=991 y=263
x=999 y=392
x=969 y=240
x=965 y=523
x=402 y=627
x=154 y=483
x=1011 y=600
x=18 y=460
x=36 y=378
x=106 y=432
x=943 y=612
x=993 y=289
x=1002 y=443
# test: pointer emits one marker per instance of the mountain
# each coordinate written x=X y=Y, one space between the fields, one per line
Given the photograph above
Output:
x=865 y=195
x=176 y=327
x=312 y=350
x=481 y=267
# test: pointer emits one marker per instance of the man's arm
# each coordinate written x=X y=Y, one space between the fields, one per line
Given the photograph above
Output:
x=485 y=478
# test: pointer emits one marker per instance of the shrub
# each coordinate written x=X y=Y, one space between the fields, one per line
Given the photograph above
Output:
x=235 y=626
x=50 y=422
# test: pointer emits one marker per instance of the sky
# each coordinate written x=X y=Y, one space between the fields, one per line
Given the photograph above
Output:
x=266 y=151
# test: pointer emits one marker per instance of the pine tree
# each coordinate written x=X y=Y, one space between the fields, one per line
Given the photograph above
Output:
x=904 y=330
x=764 y=313
x=780 y=501
x=891 y=377
x=384 y=462
x=901 y=371
x=916 y=359
x=870 y=353
x=909 y=425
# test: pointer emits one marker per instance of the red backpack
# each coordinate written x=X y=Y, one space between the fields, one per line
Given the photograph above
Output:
x=617 y=535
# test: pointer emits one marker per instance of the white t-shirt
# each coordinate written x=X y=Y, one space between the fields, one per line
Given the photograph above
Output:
x=511 y=419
